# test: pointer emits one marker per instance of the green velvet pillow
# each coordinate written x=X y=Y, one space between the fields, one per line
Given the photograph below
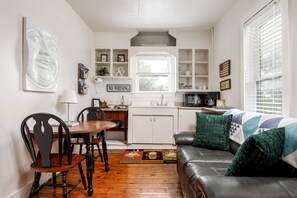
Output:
x=212 y=131
x=258 y=155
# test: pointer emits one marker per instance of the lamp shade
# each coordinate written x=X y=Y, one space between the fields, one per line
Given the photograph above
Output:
x=68 y=96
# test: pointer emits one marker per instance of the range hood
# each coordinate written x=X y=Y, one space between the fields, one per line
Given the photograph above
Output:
x=153 y=39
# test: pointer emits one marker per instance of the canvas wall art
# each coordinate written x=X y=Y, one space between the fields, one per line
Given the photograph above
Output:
x=40 y=58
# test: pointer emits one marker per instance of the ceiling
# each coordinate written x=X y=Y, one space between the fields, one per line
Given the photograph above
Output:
x=113 y=15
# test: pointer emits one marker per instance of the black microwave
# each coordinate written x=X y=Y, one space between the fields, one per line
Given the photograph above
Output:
x=199 y=99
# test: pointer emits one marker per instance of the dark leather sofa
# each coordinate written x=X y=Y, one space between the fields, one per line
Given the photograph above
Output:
x=201 y=174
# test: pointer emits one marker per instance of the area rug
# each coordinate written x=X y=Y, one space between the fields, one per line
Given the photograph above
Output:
x=148 y=156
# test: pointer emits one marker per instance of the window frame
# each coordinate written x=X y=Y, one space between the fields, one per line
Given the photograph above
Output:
x=286 y=67
x=171 y=73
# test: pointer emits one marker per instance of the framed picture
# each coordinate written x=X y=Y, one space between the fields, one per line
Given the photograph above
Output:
x=225 y=84
x=96 y=102
x=104 y=58
x=121 y=57
x=118 y=88
x=225 y=68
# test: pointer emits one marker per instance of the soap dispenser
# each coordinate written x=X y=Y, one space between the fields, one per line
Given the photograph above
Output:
x=122 y=101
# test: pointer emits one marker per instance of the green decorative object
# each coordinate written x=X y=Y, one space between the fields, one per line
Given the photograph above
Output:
x=102 y=71
x=258 y=155
x=212 y=131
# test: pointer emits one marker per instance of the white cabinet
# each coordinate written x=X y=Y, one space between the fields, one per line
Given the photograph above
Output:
x=155 y=125
x=193 y=70
x=112 y=63
x=152 y=129
x=187 y=120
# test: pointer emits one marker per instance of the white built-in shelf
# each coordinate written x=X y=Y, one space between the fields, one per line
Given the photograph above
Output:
x=116 y=63
x=195 y=62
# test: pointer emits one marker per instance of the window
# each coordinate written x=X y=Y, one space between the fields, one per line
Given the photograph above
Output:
x=154 y=73
x=263 y=60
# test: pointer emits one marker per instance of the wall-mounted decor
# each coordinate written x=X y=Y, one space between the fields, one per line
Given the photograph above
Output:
x=225 y=68
x=118 y=87
x=121 y=57
x=225 y=84
x=83 y=73
x=96 y=102
x=40 y=58
x=104 y=58
x=82 y=87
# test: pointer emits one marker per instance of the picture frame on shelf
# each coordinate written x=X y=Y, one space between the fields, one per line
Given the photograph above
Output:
x=121 y=57
x=225 y=84
x=96 y=102
x=104 y=58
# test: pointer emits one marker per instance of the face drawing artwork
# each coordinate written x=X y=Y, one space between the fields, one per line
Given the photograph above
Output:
x=41 y=59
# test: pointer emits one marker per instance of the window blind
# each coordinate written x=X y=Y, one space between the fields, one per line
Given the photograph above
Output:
x=262 y=50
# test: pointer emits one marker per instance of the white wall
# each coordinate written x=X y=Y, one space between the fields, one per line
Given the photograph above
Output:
x=227 y=45
x=75 y=44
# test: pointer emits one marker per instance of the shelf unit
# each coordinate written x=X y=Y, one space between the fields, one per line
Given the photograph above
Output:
x=114 y=60
x=193 y=70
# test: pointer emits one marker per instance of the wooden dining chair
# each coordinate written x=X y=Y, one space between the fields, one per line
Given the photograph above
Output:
x=37 y=133
x=90 y=113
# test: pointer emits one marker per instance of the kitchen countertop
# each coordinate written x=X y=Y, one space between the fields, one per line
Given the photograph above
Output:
x=114 y=109
x=212 y=109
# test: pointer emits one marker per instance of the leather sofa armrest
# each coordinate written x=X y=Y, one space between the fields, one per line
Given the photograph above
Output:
x=247 y=187
x=184 y=138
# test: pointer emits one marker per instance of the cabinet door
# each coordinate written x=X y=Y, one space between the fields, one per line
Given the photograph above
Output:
x=142 y=129
x=187 y=120
x=163 y=129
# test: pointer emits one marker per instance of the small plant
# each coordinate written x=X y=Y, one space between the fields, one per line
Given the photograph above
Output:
x=102 y=71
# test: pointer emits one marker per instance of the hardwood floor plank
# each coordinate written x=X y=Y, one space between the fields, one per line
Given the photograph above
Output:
x=124 y=181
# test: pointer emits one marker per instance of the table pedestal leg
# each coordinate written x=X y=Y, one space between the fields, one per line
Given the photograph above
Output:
x=105 y=156
x=89 y=160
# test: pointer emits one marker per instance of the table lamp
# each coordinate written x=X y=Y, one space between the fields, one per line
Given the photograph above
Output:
x=69 y=97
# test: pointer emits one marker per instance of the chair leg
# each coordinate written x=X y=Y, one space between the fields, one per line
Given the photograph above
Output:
x=35 y=185
x=54 y=180
x=93 y=161
x=99 y=151
x=80 y=149
x=82 y=176
x=64 y=185
x=72 y=148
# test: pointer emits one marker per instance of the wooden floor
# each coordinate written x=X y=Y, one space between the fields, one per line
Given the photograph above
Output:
x=124 y=180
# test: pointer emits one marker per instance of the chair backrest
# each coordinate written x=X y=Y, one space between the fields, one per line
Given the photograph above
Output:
x=36 y=129
x=91 y=113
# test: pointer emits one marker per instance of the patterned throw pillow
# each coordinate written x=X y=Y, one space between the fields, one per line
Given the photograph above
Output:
x=258 y=155
x=212 y=131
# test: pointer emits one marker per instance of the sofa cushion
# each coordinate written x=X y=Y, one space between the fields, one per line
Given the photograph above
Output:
x=188 y=153
x=184 y=138
x=247 y=187
x=258 y=155
x=195 y=170
x=212 y=131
